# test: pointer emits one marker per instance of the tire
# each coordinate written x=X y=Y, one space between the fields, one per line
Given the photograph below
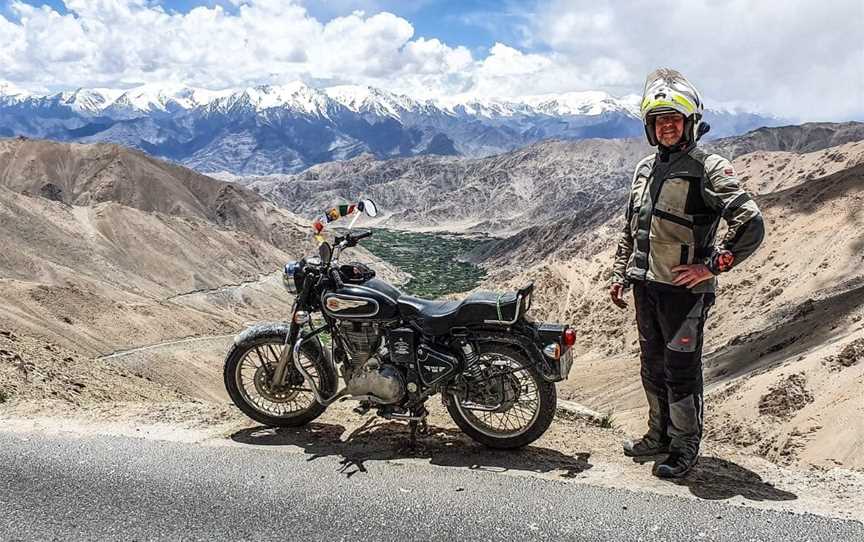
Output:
x=544 y=412
x=268 y=343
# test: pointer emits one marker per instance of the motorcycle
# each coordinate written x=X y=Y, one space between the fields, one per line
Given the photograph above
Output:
x=494 y=367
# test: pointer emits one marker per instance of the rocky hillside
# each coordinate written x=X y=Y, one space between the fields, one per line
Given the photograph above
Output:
x=504 y=194
x=104 y=248
x=497 y=195
x=784 y=361
x=86 y=175
x=803 y=138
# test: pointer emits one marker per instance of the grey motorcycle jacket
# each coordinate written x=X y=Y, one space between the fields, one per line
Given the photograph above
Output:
x=676 y=202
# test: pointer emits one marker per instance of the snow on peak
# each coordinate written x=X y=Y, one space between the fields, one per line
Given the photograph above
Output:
x=89 y=100
x=366 y=99
x=482 y=107
x=296 y=95
x=164 y=98
x=9 y=90
x=583 y=103
x=591 y=102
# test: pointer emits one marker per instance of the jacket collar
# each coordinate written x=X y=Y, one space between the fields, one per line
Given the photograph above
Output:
x=671 y=154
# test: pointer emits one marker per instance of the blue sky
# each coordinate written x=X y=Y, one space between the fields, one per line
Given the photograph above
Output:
x=792 y=58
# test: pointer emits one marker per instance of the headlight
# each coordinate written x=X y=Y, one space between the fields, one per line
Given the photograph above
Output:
x=290 y=274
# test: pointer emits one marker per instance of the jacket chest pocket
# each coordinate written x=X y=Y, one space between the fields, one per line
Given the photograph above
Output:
x=673 y=196
x=671 y=224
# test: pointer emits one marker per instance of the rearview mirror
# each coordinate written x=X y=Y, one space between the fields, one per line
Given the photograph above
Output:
x=325 y=252
x=368 y=206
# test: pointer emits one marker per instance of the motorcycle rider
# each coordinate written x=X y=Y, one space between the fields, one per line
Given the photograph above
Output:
x=666 y=253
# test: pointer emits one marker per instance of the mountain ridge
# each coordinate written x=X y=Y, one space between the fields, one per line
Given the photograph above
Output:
x=288 y=128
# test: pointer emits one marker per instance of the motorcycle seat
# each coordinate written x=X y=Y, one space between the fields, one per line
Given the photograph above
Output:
x=438 y=317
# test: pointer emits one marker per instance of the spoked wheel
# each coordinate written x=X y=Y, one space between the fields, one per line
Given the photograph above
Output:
x=248 y=374
x=509 y=406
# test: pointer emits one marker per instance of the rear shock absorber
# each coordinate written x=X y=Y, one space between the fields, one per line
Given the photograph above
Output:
x=473 y=367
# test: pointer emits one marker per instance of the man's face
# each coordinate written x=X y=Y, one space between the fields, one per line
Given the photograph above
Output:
x=669 y=128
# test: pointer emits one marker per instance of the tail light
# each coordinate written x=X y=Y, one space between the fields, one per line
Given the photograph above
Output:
x=569 y=337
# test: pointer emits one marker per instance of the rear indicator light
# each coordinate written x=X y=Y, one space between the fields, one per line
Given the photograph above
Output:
x=569 y=337
x=552 y=350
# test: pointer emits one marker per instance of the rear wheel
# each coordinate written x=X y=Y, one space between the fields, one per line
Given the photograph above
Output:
x=248 y=372
x=509 y=406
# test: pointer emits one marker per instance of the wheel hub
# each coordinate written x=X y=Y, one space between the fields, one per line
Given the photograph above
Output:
x=275 y=394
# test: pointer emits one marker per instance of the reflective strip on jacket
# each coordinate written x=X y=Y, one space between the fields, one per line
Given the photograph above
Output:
x=672 y=216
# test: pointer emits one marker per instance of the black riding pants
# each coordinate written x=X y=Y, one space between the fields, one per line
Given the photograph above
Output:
x=671 y=321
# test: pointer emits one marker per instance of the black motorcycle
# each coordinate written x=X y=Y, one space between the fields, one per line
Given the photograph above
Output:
x=494 y=367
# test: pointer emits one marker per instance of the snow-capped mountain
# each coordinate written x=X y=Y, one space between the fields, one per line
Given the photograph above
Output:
x=88 y=101
x=287 y=128
x=9 y=93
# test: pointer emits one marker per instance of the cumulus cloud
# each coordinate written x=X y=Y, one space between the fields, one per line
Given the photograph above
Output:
x=793 y=58
x=128 y=42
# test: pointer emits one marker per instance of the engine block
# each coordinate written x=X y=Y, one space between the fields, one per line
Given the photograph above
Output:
x=363 y=340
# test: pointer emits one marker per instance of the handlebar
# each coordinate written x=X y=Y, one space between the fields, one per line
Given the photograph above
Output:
x=351 y=240
x=341 y=244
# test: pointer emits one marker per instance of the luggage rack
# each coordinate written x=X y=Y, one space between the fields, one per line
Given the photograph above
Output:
x=522 y=294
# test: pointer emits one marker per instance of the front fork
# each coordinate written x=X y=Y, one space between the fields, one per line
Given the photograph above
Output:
x=291 y=353
x=285 y=357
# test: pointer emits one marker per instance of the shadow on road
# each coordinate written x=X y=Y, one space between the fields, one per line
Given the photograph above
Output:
x=717 y=479
x=381 y=440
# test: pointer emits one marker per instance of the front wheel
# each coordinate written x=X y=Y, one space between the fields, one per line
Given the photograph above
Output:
x=509 y=406
x=248 y=372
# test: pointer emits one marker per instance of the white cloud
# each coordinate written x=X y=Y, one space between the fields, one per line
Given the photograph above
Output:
x=128 y=42
x=794 y=58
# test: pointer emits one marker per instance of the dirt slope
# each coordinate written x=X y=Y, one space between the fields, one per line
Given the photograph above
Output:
x=784 y=312
x=131 y=251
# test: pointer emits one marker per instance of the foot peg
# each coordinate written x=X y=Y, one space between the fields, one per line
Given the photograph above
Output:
x=362 y=408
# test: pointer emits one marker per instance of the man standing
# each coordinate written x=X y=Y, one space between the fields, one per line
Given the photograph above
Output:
x=666 y=253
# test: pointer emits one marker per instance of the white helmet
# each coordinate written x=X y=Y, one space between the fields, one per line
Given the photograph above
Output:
x=667 y=91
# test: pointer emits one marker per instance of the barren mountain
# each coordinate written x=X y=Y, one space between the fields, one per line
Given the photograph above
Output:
x=506 y=193
x=783 y=341
x=81 y=175
x=801 y=138
x=104 y=248
x=509 y=192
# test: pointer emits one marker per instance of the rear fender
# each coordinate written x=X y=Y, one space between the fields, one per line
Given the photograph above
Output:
x=526 y=344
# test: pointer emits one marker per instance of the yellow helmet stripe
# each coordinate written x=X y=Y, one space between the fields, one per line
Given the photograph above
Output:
x=685 y=102
x=677 y=103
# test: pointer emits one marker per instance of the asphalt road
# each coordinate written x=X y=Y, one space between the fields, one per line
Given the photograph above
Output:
x=100 y=488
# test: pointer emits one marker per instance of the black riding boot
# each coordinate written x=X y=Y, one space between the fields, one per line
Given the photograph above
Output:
x=655 y=441
x=686 y=431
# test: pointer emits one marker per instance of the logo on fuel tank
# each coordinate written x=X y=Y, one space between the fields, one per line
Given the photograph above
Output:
x=336 y=304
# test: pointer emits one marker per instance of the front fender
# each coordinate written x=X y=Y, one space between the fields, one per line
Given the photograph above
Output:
x=280 y=329
x=262 y=330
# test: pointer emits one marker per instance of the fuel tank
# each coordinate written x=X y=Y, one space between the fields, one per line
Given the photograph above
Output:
x=374 y=300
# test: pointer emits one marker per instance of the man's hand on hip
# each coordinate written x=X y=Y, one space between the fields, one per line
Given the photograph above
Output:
x=691 y=275
x=616 y=292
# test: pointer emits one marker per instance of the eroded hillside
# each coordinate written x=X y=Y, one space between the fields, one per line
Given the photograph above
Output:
x=784 y=314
